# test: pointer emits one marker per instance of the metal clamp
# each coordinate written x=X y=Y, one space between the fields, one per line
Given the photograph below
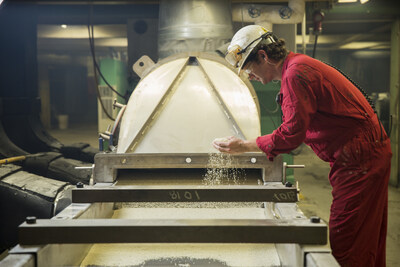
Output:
x=285 y=166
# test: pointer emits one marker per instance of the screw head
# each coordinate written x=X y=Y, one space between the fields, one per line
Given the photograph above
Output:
x=30 y=220
x=288 y=184
x=79 y=185
x=315 y=219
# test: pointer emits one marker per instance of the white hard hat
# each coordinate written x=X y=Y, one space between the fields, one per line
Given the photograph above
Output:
x=243 y=43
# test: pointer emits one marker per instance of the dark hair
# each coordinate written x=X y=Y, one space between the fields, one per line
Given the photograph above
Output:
x=275 y=51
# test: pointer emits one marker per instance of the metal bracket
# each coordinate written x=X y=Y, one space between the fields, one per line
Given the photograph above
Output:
x=142 y=65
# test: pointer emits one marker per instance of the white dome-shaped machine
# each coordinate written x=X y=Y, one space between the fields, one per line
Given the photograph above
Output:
x=183 y=103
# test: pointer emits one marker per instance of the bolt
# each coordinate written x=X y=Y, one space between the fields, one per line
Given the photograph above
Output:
x=253 y=160
x=315 y=219
x=288 y=184
x=188 y=160
x=79 y=185
x=30 y=220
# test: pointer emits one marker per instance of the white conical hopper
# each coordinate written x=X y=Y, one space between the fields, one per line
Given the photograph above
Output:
x=184 y=103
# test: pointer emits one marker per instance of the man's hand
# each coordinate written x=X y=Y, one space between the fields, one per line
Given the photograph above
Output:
x=234 y=145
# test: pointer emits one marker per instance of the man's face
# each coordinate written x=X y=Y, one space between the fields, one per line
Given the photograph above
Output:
x=261 y=71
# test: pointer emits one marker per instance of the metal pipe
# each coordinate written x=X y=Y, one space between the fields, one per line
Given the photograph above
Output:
x=274 y=14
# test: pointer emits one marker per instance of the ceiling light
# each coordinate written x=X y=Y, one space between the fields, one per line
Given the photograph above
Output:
x=347 y=1
x=363 y=1
x=1 y=1
x=371 y=54
x=64 y=26
x=359 y=45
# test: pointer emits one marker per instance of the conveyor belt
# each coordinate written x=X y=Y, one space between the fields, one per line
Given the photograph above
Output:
x=188 y=254
x=182 y=255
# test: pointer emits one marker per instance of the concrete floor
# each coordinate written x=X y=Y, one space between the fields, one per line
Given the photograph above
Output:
x=315 y=197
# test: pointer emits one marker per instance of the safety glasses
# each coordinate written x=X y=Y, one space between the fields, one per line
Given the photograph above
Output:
x=248 y=68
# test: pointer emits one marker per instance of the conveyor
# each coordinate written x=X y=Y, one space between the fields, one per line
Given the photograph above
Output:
x=149 y=202
x=178 y=225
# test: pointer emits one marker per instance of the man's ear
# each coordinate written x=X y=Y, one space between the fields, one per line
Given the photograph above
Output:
x=262 y=55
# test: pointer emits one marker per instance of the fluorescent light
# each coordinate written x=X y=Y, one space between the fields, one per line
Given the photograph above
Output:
x=363 y=1
x=81 y=31
x=359 y=45
x=64 y=26
x=347 y=1
x=1 y=1
x=371 y=54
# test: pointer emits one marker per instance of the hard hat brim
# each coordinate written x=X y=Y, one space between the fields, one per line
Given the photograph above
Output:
x=246 y=55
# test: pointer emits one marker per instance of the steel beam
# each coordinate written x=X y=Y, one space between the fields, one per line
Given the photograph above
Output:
x=300 y=231
x=179 y=193
x=107 y=165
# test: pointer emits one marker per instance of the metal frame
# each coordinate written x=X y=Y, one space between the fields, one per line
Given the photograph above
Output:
x=107 y=165
x=62 y=254
x=82 y=231
x=224 y=107
x=177 y=193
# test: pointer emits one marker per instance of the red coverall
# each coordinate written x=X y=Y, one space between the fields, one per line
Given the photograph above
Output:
x=327 y=112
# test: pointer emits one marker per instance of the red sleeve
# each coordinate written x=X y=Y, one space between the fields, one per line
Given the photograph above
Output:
x=299 y=104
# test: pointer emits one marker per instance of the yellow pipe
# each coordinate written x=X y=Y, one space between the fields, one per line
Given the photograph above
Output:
x=13 y=159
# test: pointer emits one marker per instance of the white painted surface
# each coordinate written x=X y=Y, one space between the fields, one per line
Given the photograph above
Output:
x=192 y=116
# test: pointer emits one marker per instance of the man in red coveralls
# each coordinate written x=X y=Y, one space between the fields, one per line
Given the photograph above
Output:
x=326 y=111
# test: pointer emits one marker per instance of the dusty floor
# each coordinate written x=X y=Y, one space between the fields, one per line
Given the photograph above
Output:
x=313 y=182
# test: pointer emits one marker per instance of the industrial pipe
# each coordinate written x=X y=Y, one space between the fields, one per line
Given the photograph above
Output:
x=266 y=15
